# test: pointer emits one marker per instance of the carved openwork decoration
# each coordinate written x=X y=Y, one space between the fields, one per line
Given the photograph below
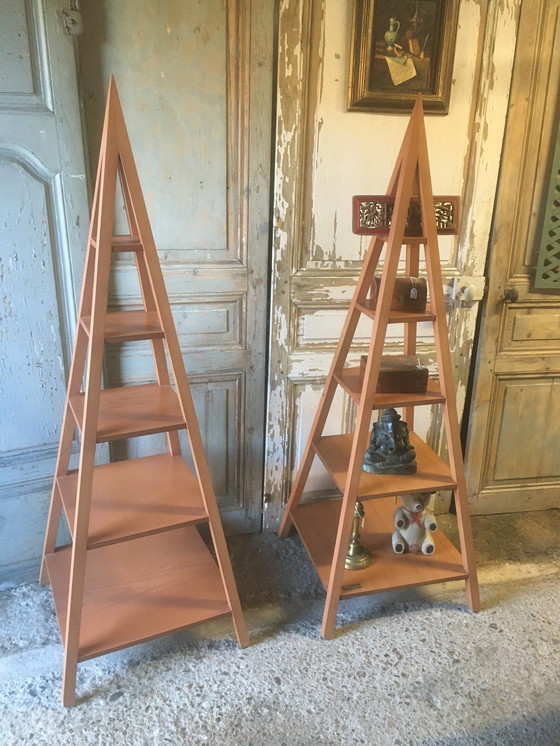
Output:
x=548 y=261
x=371 y=215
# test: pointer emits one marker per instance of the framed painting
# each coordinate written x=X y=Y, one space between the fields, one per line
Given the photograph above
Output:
x=401 y=48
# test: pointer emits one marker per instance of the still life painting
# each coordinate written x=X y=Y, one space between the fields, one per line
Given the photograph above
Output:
x=401 y=48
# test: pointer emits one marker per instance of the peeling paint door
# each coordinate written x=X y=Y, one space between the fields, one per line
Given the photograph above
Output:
x=512 y=448
x=324 y=156
x=43 y=232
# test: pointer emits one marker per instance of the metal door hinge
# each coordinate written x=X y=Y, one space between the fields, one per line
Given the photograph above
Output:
x=73 y=22
x=468 y=288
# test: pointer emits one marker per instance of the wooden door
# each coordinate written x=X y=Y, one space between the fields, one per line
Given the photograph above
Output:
x=512 y=450
x=44 y=220
x=195 y=82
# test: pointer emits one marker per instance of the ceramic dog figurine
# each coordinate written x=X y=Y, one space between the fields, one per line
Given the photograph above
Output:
x=413 y=525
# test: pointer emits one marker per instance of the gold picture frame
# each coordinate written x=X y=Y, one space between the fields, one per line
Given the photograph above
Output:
x=401 y=48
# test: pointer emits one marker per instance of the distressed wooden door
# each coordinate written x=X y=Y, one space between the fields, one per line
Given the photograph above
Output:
x=43 y=219
x=512 y=449
x=195 y=82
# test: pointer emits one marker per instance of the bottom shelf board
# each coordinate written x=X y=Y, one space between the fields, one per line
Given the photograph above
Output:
x=140 y=589
x=317 y=525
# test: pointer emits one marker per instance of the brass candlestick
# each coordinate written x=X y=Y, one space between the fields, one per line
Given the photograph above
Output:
x=357 y=556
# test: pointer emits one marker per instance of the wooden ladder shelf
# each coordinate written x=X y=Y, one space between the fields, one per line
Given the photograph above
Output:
x=137 y=567
x=325 y=526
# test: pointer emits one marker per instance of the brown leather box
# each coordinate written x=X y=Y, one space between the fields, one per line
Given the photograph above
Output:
x=410 y=293
x=399 y=374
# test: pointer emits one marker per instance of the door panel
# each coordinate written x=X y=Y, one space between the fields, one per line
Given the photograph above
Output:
x=44 y=216
x=524 y=399
x=511 y=456
x=195 y=81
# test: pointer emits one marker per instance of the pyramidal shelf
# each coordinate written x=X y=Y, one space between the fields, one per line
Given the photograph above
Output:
x=325 y=526
x=137 y=567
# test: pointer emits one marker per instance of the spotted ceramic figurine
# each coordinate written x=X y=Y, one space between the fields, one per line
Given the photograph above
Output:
x=413 y=525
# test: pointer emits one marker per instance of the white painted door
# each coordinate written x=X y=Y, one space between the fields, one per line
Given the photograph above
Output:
x=195 y=82
x=324 y=156
x=43 y=232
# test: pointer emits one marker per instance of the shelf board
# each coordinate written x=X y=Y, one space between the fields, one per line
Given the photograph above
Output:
x=130 y=411
x=349 y=379
x=138 y=590
x=406 y=240
x=123 y=243
x=397 y=317
x=136 y=497
x=432 y=474
x=317 y=525
x=128 y=326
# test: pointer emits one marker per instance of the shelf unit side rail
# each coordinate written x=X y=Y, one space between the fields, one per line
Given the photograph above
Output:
x=158 y=348
x=65 y=444
x=183 y=389
x=105 y=221
x=351 y=322
x=412 y=269
x=443 y=354
x=409 y=162
x=77 y=363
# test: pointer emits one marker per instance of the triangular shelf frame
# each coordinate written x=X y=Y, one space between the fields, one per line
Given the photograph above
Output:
x=325 y=526
x=137 y=567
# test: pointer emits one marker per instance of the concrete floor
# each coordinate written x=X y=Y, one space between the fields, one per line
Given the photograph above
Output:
x=410 y=667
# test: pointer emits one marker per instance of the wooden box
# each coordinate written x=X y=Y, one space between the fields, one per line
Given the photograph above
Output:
x=410 y=294
x=399 y=374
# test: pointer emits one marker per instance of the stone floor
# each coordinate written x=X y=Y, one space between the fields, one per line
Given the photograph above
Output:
x=413 y=667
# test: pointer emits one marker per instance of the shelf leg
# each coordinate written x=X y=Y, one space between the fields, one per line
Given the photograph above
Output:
x=441 y=340
x=69 y=678
x=337 y=570
x=467 y=544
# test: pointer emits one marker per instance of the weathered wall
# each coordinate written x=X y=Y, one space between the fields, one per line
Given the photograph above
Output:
x=326 y=154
